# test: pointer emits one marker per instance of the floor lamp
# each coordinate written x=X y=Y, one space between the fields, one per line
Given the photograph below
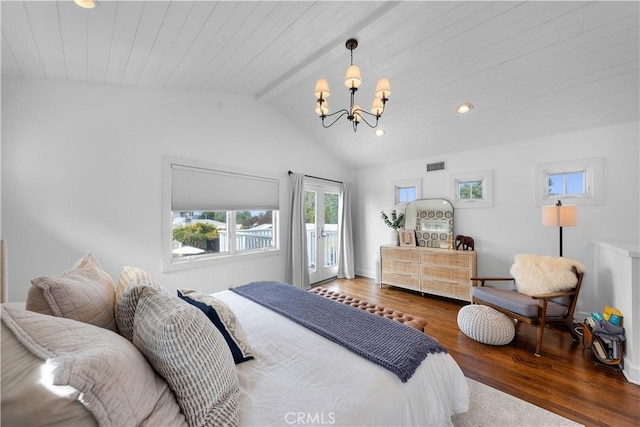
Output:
x=559 y=216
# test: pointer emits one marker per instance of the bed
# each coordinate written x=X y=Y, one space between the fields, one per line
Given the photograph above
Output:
x=71 y=359
x=301 y=378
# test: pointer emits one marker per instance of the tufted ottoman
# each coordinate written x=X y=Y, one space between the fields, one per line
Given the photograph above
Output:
x=486 y=325
x=408 y=319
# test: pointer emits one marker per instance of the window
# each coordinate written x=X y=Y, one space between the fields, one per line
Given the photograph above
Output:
x=472 y=190
x=575 y=181
x=405 y=191
x=216 y=214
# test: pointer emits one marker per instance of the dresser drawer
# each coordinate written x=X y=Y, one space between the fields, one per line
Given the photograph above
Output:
x=455 y=274
x=402 y=280
x=451 y=259
x=400 y=254
x=446 y=289
x=402 y=267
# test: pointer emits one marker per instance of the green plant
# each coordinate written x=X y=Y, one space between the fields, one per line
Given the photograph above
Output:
x=395 y=221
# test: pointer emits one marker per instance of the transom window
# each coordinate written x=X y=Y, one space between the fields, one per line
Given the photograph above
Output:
x=405 y=191
x=577 y=181
x=567 y=184
x=470 y=190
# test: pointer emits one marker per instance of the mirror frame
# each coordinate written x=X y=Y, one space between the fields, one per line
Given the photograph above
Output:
x=432 y=220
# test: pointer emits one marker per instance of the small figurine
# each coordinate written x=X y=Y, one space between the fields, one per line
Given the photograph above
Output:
x=466 y=242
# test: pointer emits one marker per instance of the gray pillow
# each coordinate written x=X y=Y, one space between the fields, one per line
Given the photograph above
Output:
x=190 y=353
x=132 y=282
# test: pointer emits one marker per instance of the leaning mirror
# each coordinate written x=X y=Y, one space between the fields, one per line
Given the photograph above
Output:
x=432 y=219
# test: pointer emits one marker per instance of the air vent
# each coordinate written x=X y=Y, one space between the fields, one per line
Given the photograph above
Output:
x=438 y=166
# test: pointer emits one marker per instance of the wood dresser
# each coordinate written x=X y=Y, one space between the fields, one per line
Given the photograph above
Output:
x=434 y=271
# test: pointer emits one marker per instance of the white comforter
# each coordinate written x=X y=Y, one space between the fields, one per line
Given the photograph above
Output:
x=301 y=378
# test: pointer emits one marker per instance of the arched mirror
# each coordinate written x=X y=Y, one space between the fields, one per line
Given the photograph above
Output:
x=432 y=219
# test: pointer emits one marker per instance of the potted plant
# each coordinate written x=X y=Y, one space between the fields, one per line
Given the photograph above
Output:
x=393 y=221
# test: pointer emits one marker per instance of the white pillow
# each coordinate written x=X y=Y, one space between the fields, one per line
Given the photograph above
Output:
x=223 y=318
x=85 y=293
x=190 y=353
x=114 y=380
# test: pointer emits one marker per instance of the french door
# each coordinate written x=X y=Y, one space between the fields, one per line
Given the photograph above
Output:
x=321 y=204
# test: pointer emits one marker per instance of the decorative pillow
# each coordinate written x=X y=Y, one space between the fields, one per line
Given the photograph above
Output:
x=21 y=383
x=112 y=378
x=192 y=356
x=223 y=318
x=535 y=274
x=84 y=293
x=132 y=282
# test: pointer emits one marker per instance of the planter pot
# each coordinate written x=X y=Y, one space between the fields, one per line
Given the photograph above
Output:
x=395 y=238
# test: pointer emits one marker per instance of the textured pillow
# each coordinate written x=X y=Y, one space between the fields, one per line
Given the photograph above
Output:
x=112 y=378
x=223 y=318
x=192 y=356
x=84 y=293
x=25 y=400
x=132 y=282
x=535 y=274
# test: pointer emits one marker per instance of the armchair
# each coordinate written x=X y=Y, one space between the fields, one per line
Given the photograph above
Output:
x=545 y=292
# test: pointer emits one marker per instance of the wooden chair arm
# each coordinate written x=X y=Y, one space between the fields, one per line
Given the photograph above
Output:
x=554 y=294
x=488 y=279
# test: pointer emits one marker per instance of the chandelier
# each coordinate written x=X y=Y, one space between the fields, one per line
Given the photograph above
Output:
x=355 y=114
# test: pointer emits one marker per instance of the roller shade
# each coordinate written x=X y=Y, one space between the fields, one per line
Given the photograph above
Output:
x=200 y=189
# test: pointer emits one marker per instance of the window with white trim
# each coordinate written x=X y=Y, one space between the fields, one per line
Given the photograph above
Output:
x=575 y=181
x=472 y=190
x=211 y=214
x=405 y=191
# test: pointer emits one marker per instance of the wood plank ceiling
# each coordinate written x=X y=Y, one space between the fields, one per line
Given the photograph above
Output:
x=531 y=69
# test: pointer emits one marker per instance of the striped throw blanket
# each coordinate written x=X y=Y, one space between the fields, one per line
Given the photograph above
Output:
x=396 y=347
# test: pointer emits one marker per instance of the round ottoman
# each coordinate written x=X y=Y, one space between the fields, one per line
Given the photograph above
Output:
x=486 y=325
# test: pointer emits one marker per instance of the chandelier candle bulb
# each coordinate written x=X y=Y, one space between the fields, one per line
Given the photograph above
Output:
x=383 y=88
x=356 y=113
x=322 y=109
x=377 y=107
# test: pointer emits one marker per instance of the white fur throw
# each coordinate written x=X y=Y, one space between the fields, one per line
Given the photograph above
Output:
x=535 y=274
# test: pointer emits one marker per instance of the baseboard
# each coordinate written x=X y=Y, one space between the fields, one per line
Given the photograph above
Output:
x=366 y=273
x=631 y=372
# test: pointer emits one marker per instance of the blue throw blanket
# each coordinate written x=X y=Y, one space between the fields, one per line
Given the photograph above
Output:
x=392 y=345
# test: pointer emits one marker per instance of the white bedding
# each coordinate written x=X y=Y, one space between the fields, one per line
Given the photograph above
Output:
x=301 y=378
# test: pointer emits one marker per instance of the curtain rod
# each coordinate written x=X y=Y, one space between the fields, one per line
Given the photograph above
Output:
x=317 y=177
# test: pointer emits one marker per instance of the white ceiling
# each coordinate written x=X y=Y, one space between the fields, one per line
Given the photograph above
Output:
x=530 y=68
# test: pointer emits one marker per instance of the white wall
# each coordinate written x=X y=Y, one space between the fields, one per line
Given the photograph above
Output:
x=513 y=224
x=81 y=171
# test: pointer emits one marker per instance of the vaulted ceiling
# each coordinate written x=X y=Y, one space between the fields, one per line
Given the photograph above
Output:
x=530 y=69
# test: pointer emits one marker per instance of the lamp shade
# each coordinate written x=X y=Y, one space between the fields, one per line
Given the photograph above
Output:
x=383 y=88
x=560 y=216
x=323 y=109
x=356 y=113
x=352 y=78
x=377 y=107
x=322 y=89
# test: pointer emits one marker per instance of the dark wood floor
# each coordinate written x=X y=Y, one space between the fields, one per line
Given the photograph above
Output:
x=563 y=380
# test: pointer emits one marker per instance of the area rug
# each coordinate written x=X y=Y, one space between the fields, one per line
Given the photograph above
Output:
x=491 y=407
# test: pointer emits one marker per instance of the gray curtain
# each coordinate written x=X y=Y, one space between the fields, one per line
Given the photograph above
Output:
x=346 y=268
x=297 y=262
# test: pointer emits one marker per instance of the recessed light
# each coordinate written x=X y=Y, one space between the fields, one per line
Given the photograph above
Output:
x=87 y=4
x=464 y=108
x=380 y=132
